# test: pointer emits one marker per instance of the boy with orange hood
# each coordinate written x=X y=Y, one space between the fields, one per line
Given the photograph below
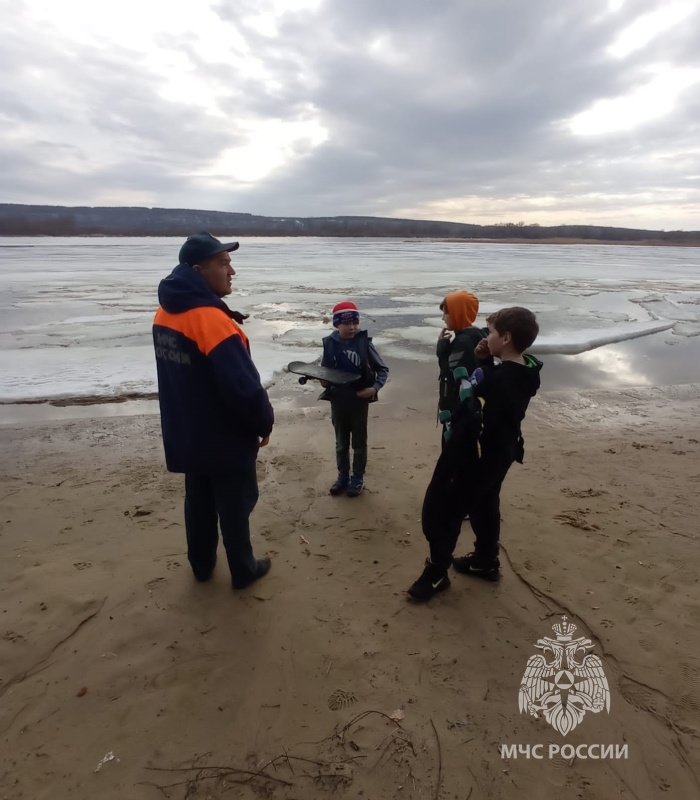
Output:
x=486 y=440
x=459 y=312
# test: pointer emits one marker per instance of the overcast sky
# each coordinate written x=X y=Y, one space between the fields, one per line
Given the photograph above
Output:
x=548 y=111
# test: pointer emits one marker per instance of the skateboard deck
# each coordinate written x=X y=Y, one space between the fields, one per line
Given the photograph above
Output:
x=336 y=377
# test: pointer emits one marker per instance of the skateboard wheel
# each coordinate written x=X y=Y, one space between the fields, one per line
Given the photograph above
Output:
x=303 y=380
x=460 y=373
x=444 y=416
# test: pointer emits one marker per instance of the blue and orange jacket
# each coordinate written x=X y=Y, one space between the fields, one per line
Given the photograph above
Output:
x=213 y=407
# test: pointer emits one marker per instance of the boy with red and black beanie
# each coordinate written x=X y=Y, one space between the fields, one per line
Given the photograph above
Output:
x=351 y=350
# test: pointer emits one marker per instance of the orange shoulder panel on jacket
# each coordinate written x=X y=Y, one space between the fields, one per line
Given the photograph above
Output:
x=207 y=326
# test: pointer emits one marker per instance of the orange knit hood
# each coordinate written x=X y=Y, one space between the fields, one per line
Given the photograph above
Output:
x=462 y=308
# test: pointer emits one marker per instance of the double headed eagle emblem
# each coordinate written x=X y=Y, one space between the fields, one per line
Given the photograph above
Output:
x=564 y=681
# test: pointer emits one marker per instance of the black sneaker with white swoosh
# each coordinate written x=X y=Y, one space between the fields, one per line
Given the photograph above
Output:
x=432 y=581
x=471 y=565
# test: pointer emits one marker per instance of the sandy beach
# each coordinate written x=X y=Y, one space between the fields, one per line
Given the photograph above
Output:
x=120 y=677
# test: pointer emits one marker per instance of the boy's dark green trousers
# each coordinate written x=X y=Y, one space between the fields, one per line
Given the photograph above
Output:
x=350 y=423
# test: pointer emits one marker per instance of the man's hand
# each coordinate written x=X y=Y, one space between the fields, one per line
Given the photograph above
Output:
x=482 y=349
x=368 y=393
x=325 y=384
x=238 y=317
x=264 y=442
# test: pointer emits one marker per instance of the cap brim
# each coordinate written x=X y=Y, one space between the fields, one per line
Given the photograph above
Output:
x=227 y=248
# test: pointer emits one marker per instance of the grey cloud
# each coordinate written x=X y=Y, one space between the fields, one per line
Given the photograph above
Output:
x=104 y=98
x=470 y=99
x=533 y=70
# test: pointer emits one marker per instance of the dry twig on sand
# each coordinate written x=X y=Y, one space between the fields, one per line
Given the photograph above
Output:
x=439 y=778
x=218 y=773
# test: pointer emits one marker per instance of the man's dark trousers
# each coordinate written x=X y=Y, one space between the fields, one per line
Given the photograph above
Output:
x=224 y=500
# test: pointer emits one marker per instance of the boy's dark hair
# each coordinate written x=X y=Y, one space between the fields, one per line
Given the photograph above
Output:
x=519 y=322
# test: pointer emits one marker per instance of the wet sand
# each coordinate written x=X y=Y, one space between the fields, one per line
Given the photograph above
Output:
x=289 y=689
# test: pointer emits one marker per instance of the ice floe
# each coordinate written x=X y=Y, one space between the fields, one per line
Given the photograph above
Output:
x=573 y=342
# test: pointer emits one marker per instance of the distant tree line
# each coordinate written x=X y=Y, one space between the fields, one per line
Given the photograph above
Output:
x=26 y=220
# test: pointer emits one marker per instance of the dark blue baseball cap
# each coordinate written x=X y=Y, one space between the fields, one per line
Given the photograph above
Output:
x=203 y=245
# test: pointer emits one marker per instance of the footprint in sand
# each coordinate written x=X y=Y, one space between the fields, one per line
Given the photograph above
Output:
x=690 y=698
x=644 y=698
x=340 y=699
x=82 y=564
x=577 y=519
x=560 y=774
x=582 y=492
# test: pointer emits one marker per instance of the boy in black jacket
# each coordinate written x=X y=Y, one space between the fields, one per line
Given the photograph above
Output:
x=485 y=441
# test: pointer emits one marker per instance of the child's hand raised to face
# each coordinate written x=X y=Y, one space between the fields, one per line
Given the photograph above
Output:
x=482 y=349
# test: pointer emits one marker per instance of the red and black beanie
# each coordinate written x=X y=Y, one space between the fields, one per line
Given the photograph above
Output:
x=345 y=312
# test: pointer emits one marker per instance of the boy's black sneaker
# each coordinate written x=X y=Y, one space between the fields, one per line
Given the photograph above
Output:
x=469 y=565
x=340 y=485
x=431 y=582
x=355 y=486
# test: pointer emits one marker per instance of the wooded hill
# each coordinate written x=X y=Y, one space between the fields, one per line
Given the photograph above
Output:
x=30 y=220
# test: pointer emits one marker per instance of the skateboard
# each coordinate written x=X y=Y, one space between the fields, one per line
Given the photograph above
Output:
x=336 y=377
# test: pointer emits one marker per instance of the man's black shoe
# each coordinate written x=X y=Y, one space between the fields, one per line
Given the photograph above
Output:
x=203 y=575
x=263 y=567
x=469 y=565
x=432 y=581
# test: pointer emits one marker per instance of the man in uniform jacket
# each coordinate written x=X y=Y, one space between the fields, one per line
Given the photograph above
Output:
x=215 y=413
